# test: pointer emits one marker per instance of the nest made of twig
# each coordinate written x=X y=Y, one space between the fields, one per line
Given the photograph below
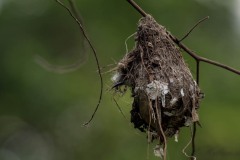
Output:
x=166 y=97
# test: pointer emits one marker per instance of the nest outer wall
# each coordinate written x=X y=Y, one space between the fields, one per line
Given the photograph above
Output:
x=161 y=83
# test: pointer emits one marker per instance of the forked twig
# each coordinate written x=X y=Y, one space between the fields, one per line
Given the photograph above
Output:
x=185 y=48
x=202 y=59
x=94 y=52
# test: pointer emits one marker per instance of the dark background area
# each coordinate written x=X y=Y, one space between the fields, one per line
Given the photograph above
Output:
x=42 y=112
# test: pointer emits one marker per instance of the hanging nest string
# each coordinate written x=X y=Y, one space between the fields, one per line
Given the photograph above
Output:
x=166 y=97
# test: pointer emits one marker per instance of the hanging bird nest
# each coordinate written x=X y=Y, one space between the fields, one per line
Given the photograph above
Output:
x=166 y=97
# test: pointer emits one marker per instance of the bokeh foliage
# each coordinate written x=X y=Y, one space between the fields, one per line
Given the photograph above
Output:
x=42 y=112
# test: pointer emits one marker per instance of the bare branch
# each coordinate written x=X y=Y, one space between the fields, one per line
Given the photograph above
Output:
x=197 y=71
x=185 y=48
x=200 y=21
x=139 y=9
x=95 y=55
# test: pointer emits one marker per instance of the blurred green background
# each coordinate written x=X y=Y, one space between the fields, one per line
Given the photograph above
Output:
x=42 y=112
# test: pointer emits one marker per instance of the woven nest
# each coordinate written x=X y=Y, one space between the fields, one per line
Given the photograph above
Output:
x=166 y=97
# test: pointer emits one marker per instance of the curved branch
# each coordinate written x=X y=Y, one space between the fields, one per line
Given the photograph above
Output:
x=95 y=55
x=190 y=31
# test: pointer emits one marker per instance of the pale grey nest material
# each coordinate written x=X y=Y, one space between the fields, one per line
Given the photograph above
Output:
x=158 y=77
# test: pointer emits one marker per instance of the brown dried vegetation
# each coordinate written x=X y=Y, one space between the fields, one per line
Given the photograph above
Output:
x=166 y=97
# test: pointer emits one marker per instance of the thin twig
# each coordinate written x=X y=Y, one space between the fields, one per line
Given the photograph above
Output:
x=61 y=69
x=127 y=40
x=192 y=157
x=95 y=55
x=200 y=21
x=75 y=10
x=195 y=123
x=119 y=108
